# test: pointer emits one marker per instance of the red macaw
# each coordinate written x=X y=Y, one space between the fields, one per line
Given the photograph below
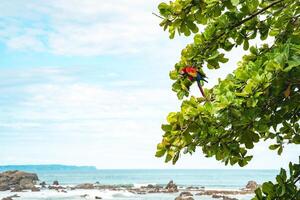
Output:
x=194 y=75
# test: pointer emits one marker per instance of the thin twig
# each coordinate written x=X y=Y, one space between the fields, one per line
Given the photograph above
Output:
x=157 y=15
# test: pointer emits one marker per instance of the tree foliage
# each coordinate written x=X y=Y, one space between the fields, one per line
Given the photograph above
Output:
x=260 y=100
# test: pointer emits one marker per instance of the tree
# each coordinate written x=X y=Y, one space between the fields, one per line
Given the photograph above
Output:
x=260 y=100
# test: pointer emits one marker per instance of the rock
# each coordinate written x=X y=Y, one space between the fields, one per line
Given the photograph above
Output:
x=216 y=196
x=84 y=195
x=17 y=189
x=229 y=198
x=55 y=182
x=43 y=184
x=26 y=183
x=186 y=194
x=14 y=196
x=184 y=198
x=86 y=186
x=224 y=192
x=7 y=198
x=96 y=197
x=56 y=187
x=150 y=186
x=4 y=187
x=193 y=188
x=171 y=187
x=11 y=197
x=17 y=180
x=35 y=189
x=251 y=185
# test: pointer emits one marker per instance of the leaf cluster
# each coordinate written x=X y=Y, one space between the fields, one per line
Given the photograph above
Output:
x=227 y=24
x=285 y=187
x=258 y=101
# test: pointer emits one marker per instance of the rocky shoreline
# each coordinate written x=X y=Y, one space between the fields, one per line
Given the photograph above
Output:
x=19 y=181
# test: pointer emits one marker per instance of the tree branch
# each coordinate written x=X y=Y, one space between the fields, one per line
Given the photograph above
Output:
x=246 y=19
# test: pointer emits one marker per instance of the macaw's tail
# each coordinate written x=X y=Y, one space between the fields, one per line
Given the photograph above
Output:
x=201 y=89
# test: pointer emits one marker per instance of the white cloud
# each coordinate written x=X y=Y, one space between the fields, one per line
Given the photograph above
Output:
x=109 y=128
x=85 y=28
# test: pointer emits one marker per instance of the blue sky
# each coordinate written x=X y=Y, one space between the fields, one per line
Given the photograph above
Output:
x=86 y=83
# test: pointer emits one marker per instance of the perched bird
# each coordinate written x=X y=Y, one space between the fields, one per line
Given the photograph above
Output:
x=194 y=75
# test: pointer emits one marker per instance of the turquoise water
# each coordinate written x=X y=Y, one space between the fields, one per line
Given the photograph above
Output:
x=207 y=178
x=217 y=179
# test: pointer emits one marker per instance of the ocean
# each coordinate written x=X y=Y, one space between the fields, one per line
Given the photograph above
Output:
x=210 y=179
x=227 y=179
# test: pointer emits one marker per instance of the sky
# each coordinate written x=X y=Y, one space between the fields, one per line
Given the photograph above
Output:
x=86 y=83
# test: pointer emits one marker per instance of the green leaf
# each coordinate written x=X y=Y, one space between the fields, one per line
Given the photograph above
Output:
x=280 y=150
x=267 y=187
x=176 y=157
x=235 y=2
x=274 y=146
x=258 y=194
x=160 y=153
x=246 y=45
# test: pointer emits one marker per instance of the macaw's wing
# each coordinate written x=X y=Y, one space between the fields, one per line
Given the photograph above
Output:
x=200 y=78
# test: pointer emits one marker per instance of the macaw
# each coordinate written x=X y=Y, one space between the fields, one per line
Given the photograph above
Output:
x=194 y=75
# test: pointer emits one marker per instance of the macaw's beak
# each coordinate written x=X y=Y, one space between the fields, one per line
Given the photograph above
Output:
x=181 y=74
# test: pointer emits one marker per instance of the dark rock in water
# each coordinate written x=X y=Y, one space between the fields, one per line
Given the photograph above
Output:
x=14 y=196
x=215 y=196
x=171 y=187
x=229 y=198
x=17 y=189
x=186 y=194
x=150 y=186
x=251 y=185
x=56 y=187
x=43 y=184
x=224 y=192
x=17 y=180
x=35 y=189
x=11 y=197
x=55 y=183
x=184 y=198
x=86 y=186
x=193 y=188
x=84 y=195
x=141 y=192
x=96 y=197
x=4 y=187
x=7 y=198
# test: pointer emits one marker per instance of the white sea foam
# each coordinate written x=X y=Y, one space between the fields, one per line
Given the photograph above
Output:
x=72 y=194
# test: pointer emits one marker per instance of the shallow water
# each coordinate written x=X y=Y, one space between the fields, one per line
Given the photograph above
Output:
x=119 y=195
x=231 y=179
x=212 y=179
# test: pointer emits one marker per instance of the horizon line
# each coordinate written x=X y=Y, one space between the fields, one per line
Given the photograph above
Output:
x=97 y=168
